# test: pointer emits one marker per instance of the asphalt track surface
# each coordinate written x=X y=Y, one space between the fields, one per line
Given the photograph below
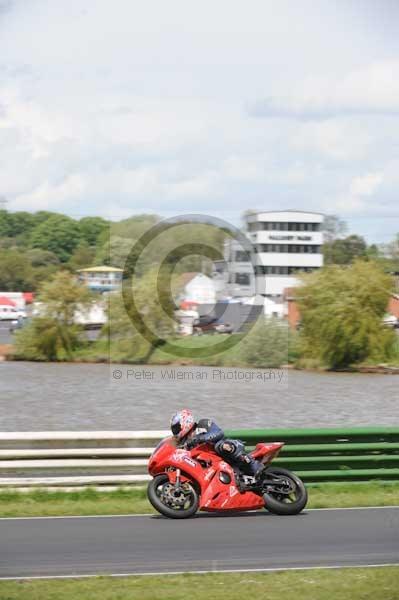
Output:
x=153 y=544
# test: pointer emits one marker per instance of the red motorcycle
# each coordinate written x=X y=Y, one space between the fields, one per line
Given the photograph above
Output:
x=187 y=481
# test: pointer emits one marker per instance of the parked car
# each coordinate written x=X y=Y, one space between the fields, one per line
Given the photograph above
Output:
x=390 y=321
x=210 y=324
x=10 y=313
x=224 y=328
x=204 y=324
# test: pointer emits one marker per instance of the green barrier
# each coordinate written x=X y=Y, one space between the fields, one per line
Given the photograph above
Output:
x=351 y=475
x=341 y=449
x=359 y=434
x=324 y=455
x=343 y=463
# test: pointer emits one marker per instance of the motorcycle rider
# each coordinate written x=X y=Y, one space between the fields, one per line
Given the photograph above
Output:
x=191 y=433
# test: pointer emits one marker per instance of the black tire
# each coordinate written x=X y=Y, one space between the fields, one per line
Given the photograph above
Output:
x=154 y=492
x=285 y=504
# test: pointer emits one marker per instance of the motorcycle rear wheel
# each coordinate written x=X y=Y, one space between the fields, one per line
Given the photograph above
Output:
x=161 y=495
x=280 y=502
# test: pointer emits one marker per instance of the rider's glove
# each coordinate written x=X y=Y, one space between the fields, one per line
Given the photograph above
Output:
x=191 y=443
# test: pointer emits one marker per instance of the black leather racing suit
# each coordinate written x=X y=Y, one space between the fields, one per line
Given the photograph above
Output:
x=207 y=431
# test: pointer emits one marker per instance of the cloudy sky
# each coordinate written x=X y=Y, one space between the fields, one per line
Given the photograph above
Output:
x=122 y=107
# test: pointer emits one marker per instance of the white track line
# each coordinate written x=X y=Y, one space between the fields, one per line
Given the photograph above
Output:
x=232 y=514
x=352 y=508
x=204 y=572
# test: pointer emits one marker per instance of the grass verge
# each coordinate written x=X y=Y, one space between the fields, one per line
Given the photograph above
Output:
x=317 y=584
x=129 y=501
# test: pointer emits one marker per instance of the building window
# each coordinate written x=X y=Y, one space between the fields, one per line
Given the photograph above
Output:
x=219 y=266
x=242 y=278
x=287 y=226
x=290 y=248
x=242 y=256
x=274 y=270
x=254 y=226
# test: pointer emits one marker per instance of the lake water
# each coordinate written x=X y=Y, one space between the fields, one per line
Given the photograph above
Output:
x=35 y=396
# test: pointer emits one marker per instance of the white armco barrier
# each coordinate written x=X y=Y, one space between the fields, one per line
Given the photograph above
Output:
x=75 y=458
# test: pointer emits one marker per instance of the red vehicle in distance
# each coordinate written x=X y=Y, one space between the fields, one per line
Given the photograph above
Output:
x=187 y=481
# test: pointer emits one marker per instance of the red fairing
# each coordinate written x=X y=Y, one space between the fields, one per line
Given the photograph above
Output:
x=266 y=452
x=226 y=496
x=215 y=478
x=166 y=455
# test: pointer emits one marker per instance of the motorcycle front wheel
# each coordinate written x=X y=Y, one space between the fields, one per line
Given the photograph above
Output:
x=170 y=502
x=286 y=495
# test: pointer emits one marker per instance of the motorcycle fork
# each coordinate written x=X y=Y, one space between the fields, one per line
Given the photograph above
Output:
x=175 y=478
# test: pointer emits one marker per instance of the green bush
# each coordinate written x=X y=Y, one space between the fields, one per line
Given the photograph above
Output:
x=266 y=345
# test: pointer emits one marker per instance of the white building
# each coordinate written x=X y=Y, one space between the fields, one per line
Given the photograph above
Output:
x=101 y=279
x=197 y=288
x=284 y=243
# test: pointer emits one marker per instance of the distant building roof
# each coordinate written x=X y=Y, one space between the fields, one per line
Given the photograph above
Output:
x=287 y=210
x=103 y=269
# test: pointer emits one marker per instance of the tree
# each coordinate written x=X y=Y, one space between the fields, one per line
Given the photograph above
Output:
x=393 y=251
x=124 y=341
x=91 y=228
x=45 y=265
x=114 y=252
x=6 y=227
x=341 y=314
x=63 y=296
x=41 y=274
x=128 y=330
x=183 y=246
x=82 y=257
x=44 y=339
x=333 y=227
x=119 y=240
x=345 y=251
x=53 y=335
x=133 y=227
x=15 y=272
x=20 y=224
x=42 y=215
x=373 y=252
x=152 y=294
x=58 y=234
x=42 y=258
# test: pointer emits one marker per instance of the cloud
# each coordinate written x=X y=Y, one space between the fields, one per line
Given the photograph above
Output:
x=365 y=185
x=372 y=90
x=245 y=168
x=5 y=6
x=361 y=190
x=48 y=195
x=116 y=111
x=334 y=139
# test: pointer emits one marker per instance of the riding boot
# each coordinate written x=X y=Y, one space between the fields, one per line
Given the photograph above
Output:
x=250 y=466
